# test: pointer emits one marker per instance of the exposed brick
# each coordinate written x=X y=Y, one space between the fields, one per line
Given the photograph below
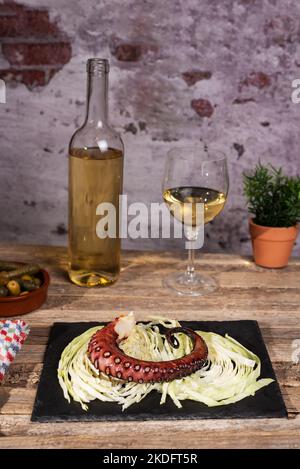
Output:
x=31 y=41
x=192 y=76
x=27 y=23
x=9 y=8
x=130 y=128
x=239 y=148
x=60 y=229
x=37 y=24
x=243 y=100
x=30 y=78
x=280 y=29
x=37 y=54
x=202 y=107
x=127 y=52
x=9 y=25
x=257 y=79
x=142 y=125
x=32 y=203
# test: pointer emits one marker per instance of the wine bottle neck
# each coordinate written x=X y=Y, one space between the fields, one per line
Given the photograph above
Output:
x=97 y=102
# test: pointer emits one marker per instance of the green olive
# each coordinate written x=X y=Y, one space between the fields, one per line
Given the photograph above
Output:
x=29 y=269
x=27 y=277
x=18 y=280
x=29 y=286
x=3 y=281
x=3 y=291
x=37 y=282
x=14 y=288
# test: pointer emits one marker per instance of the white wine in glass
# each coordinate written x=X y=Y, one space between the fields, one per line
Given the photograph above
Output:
x=194 y=175
x=186 y=197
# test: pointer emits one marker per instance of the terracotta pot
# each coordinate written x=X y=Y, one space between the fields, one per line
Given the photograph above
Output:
x=272 y=247
x=18 y=305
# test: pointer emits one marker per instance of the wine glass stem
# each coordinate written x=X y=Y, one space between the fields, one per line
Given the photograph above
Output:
x=190 y=270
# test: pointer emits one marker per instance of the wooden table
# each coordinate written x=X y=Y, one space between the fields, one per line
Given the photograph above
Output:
x=246 y=292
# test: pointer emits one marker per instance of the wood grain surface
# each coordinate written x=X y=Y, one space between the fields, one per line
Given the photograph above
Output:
x=246 y=291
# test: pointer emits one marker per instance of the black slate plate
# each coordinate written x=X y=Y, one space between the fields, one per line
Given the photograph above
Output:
x=50 y=404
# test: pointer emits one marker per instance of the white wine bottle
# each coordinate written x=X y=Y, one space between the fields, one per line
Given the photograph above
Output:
x=95 y=176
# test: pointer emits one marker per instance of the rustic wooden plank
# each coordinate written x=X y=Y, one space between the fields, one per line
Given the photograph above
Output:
x=23 y=375
x=157 y=265
x=13 y=425
x=106 y=310
x=16 y=400
x=30 y=354
x=246 y=434
x=143 y=279
x=57 y=255
x=39 y=334
x=263 y=302
x=288 y=374
x=228 y=275
x=289 y=325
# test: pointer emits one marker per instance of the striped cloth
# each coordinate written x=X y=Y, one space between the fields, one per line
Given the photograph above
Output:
x=12 y=337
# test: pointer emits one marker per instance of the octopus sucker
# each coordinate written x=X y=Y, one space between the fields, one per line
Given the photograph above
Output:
x=114 y=362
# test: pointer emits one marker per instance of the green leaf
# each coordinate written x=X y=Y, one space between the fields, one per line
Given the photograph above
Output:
x=273 y=198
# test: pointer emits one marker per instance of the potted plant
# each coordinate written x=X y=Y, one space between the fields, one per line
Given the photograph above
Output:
x=274 y=203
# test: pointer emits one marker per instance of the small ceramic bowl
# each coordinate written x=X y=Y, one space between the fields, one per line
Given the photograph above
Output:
x=19 y=305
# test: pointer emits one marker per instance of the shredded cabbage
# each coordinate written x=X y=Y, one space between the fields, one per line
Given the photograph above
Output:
x=231 y=373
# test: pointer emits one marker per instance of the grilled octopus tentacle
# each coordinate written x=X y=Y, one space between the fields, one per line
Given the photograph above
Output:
x=105 y=354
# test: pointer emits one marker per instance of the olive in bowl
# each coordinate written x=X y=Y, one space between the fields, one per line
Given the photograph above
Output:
x=23 y=288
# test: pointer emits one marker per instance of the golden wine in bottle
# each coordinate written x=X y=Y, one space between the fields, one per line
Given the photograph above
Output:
x=182 y=203
x=95 y=177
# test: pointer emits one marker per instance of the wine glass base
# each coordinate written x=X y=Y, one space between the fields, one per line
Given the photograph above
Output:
x=183 y=286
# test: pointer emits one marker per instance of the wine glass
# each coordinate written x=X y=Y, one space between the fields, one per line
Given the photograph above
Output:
x=194 y=177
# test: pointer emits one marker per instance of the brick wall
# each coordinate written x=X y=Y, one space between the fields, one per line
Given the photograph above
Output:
x=34 y=47
x=182 y=71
